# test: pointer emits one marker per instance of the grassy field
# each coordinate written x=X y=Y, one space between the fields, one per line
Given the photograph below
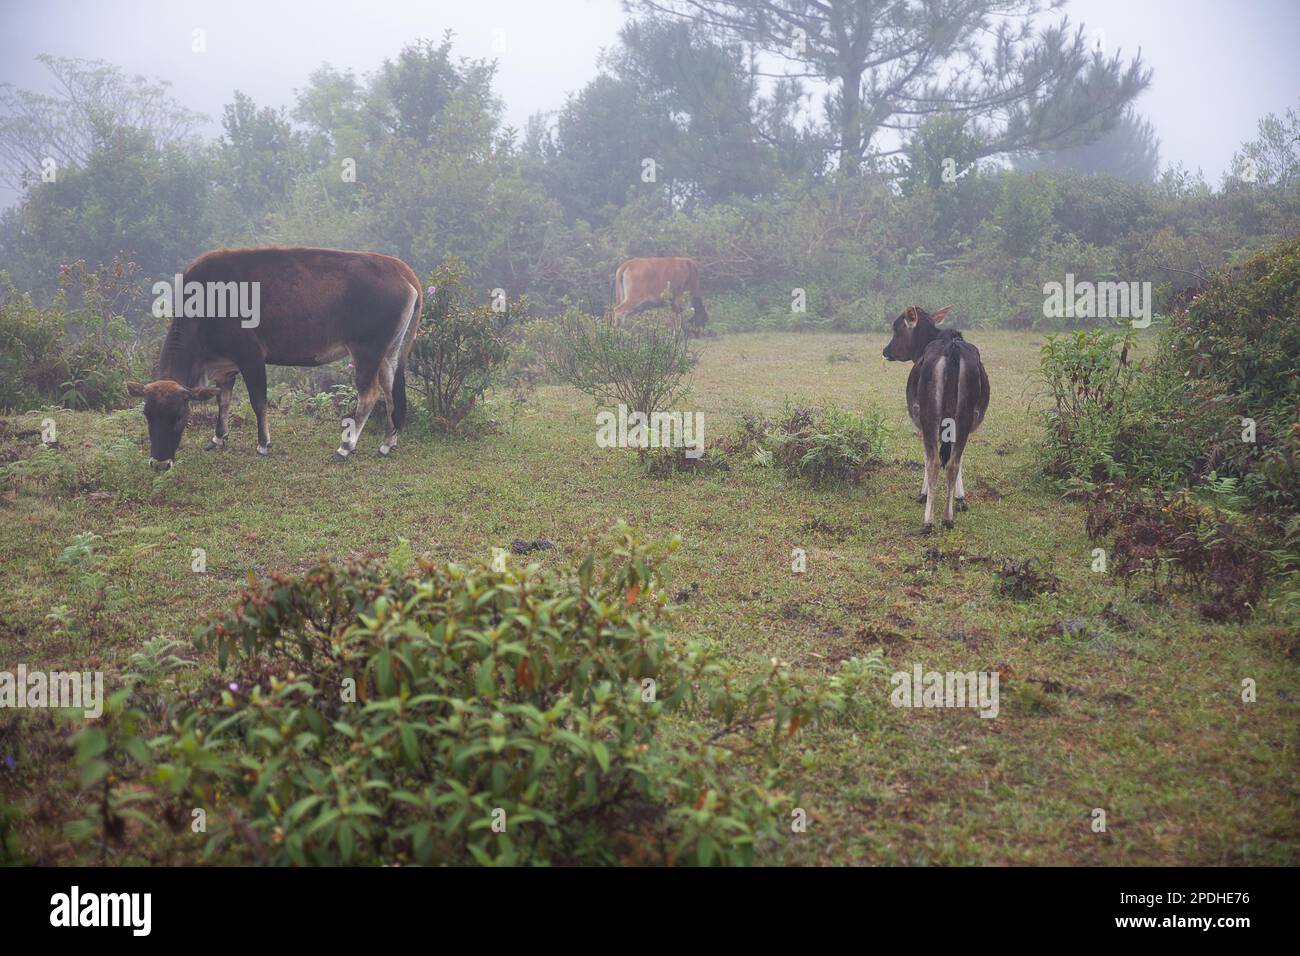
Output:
x=1110 y=699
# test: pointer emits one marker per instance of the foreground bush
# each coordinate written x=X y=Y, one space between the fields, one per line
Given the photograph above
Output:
x=444 y=714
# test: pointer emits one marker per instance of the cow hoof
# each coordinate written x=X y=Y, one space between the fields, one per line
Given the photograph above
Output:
x=947 y=522
x=338 y=457
x=213 y=445
x=920 y=499
x=927 y=529
x=961 y=505
x=263 y=451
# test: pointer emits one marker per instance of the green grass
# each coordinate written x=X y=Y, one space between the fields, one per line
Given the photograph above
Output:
x=1140 y=715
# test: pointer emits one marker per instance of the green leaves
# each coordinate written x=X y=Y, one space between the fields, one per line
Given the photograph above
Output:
x=497 y=719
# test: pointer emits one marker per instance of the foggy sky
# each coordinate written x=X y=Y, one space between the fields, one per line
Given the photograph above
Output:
x=1219 y=65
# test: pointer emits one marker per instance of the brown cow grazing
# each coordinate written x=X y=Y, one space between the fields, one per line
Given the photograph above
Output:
x=947 y=396
x=309 y=307
x=641 y=284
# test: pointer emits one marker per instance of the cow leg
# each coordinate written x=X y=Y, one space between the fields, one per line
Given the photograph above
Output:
x=951 y=481
x=961 y=488
x=954 y=478
x=222 y=430
x=367 y=396
x=255 y=381
x=925 y=487
x=931 y=482
x=386 y=374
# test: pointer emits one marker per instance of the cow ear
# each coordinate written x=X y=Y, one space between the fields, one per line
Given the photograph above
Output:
x=937 y=317
x=201 y=394
x=910 y=316
x=135 y=389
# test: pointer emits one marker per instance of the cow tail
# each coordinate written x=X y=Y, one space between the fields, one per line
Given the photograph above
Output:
x=399 y=394
x=948 y=404
x=399 y=377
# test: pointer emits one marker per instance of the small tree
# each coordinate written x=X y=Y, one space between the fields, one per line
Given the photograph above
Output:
x=643 y=364
x=461 y=347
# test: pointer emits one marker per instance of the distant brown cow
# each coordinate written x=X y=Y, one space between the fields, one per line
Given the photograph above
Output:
x=313 y=306
x=641 y=284
x=947 y=396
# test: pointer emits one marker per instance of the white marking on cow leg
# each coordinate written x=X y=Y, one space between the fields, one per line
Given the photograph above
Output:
x=925 y=487
x=952 y=493
x=365 y=404
x=931 y=480
x=216 y=441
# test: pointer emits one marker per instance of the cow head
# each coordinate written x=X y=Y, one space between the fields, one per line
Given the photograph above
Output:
x=913 y=331
x=167 y=409
x=700 y=315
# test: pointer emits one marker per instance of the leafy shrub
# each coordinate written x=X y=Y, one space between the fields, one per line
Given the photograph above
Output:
x=1241 y=336
x=824 y=445
x=33 y=360
x=1112 y=419
x=461 y=348
x=641 y=363
x=666 y=462
x=415 y=711
x=78 y=355
x=1088 y=377
x=1181 y=416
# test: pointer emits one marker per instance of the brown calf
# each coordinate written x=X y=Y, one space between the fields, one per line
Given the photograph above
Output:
x=641 y=284
x=947 y=396
x=314 y=306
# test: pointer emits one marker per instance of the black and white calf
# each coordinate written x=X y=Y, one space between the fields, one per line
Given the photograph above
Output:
x=947 y=396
